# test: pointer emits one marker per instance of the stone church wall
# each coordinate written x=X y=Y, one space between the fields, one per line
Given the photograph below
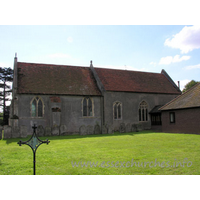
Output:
x=130 y=108
x=59 y=111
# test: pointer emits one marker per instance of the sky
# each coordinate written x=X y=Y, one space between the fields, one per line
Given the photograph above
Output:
x=150 y=48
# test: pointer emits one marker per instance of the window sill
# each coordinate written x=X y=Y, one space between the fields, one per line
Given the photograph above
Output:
x=87 y=117
x=37 y=117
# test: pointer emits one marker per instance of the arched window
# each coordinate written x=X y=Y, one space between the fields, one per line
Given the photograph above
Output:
x=143 y=111
x=37 y=107
x=87 y=107
x=117 y=110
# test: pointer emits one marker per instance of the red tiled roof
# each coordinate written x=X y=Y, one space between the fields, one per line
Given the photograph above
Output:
x=134 y=81
x=189 y=99
x=55 y=79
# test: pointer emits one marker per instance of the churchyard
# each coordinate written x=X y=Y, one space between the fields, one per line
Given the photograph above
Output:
x=136 y=153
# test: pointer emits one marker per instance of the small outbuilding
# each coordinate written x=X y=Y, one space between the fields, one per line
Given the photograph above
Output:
x=182 y=114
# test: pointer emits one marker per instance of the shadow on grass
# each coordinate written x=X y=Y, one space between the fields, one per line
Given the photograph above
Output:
x=8 y=141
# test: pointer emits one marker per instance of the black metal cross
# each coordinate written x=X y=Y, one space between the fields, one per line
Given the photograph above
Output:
x=34 y=142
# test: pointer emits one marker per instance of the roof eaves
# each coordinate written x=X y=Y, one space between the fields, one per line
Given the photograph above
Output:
x=175 y=99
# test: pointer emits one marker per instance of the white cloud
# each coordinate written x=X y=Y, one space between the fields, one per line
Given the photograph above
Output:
x=186 y=40
x=153 y=63
x=166 y=60
x=169 y=59
x=192 y=67
x=177 y=58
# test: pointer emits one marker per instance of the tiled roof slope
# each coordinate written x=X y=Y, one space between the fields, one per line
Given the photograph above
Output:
x=189 y=99
x=55 y=79
x=134 y=81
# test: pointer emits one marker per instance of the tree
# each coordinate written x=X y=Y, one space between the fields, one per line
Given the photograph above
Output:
x=189 y=85
x=6 y=77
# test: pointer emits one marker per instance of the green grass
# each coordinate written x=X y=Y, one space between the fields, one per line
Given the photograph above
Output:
x=146 y=146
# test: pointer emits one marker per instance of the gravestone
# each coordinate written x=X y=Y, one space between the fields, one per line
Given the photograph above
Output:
x=128 y=128
x=1 y=128
x=140 y=127
x=97 y=129
x=7 y=132
x=23 y=131
x=15 y=132
x=63 y=130
x=116 y=129
x=122 y=128
x=55 y=130
x=83 y=130
x=47 y=131
x=90 y=130
x=110 y=129
x=134 y=128
x=104 y=129
x=40 y=131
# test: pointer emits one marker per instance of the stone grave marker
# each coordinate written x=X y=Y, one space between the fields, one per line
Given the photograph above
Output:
x=55 y=130
x=104 y=130
x=63 y=130
x=23 y=131
x=128 y=128
x=97 y=129
x=47 y=131
x=7 y=132
x=83 y=130
x=40 y=131
x=15 y=132
x=122 y=128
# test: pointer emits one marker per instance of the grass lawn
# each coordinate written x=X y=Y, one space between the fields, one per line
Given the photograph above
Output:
x=115 y=153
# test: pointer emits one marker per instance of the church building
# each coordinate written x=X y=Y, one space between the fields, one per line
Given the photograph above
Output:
x=63 y=99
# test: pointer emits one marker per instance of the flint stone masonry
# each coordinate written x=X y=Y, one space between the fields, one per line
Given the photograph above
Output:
x=40 y=131
x=7 y=132
x=15 y=131
x=83 y=130
x=55 y=130
x=63 y=130
x=97 y=129
x=47 y=131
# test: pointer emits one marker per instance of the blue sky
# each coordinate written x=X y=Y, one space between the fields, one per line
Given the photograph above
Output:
x=148 y=48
